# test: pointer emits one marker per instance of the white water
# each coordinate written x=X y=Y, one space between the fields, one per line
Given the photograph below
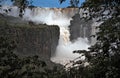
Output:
x=65 y=48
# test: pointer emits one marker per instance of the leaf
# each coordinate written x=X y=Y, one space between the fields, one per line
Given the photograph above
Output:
x=61 y=1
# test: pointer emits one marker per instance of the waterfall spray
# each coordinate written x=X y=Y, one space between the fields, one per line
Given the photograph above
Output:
x=62 y=18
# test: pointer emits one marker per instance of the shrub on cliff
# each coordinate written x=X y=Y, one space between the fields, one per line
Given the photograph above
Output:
x=105 y=64
x=104 y=56
x=12 y=66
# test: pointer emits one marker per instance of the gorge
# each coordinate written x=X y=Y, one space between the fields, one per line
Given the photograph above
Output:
x=75 y=32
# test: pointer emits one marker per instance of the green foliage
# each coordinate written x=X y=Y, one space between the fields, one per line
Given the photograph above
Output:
x=104 y=56
x=12 y=66
x=19 y=3
x=22 y=4
x=73 y=3
x=107 y=59
x=91 y=3
x=61 y=1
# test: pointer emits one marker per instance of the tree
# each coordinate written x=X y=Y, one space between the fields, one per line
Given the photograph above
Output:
x=22 y=4
x=73 y=3
x=12 y=66
x=104 y=56
x=106 y=62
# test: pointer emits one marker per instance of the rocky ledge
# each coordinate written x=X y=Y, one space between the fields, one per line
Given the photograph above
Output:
x=31 y=39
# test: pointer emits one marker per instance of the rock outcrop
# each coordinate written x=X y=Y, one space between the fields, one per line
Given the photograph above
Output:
x=31 y=39
x=80 y=28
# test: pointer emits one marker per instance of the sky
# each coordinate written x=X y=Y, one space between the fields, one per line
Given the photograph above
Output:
x=53 y=3
x=48 y=3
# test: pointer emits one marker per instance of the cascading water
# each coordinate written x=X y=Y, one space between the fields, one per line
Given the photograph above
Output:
x=56 y=17
x=62 y=18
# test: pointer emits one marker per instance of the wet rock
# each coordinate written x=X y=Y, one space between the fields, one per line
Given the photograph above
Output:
x=31 y=39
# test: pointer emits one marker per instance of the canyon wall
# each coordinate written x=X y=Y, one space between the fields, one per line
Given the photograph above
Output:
x=80 y=28
x=81 y=21
x=31 y=39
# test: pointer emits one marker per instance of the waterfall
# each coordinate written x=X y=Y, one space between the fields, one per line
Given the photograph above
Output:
x=62 y=18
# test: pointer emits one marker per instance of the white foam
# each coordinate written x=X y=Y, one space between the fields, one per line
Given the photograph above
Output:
x=65 y=48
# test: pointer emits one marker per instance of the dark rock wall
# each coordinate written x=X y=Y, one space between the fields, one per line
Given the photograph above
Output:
x=80 y=28
x=31 y=40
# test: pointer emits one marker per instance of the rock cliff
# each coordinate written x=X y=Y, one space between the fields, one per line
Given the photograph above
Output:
x=31 y=39
x=80 y=28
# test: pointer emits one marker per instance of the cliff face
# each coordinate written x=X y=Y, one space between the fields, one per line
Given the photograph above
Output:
x=84 y=24
x=85 y=19
x=31 y=39
x=80 y=28
x=35 y=13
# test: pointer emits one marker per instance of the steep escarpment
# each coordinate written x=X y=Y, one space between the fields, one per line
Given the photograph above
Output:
x=89 y=17
x=80 y=28
x=31 y=39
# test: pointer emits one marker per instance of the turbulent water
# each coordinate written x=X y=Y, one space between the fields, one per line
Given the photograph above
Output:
x=62 y=18
x=54 y=16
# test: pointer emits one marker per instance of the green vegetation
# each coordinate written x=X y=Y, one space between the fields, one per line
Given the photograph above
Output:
x=74 y=3
x=103 y=57
x=20 y=3
x=12 y=66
